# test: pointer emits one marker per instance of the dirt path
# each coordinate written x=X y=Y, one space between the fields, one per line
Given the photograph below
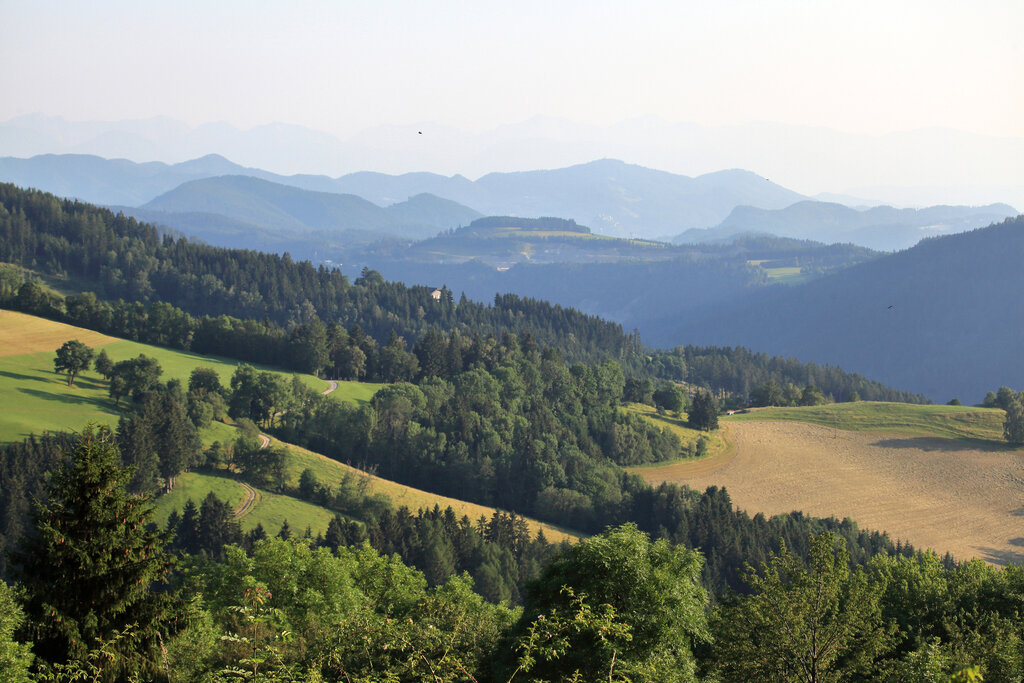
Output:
x=251 y=495
x=935 y=493
x=247 y=504
x=332 y=386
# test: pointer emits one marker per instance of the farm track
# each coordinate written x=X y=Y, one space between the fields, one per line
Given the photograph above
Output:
x=248 y=503
x=945 y=494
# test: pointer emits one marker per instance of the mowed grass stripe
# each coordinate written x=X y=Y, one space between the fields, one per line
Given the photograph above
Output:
x=950 y=422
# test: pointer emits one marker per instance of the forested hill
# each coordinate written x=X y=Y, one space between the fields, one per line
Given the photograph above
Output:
x=121 y=258
x=262 y=307
x=943 y=318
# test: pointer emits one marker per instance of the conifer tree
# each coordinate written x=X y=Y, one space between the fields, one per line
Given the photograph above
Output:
x=89 y=569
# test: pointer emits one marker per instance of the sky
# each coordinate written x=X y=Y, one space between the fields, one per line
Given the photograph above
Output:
x=342 y=66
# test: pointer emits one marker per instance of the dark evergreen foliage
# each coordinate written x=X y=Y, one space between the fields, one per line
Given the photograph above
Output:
x=90 y=569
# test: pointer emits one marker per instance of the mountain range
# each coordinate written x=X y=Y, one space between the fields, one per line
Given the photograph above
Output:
x=947 y=166
x=609 y=196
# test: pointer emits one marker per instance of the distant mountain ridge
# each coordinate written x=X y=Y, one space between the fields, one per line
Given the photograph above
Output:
x=920 y=167
x=285 y=209
x=879 y=227
x=611 y=196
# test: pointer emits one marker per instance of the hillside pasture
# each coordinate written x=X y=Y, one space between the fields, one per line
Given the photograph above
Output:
x=271 y=509
x=355 y=392
x=963 y=496
x=197 y=485
x=36 y=399
x=21 y=334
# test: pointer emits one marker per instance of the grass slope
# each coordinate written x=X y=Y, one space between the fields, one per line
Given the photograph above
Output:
x=355 y=392
x=940 y=477
x=37 y=399
x=332 y=472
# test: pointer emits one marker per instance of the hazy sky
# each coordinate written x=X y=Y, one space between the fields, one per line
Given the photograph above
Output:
x=864 y=66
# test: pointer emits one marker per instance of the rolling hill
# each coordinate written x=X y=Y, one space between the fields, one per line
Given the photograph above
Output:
x=942 y=318
x=613 y=197
x=277 y=207
x=36 y=399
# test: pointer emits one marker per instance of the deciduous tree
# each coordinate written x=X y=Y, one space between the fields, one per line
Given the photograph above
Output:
x=811 y=622
x=72 y=357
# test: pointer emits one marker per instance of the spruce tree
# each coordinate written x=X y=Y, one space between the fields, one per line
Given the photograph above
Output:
x=90 y=569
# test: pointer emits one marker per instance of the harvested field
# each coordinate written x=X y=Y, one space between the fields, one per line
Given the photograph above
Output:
x=945 y=494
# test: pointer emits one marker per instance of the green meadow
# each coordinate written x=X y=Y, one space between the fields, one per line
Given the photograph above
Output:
x=36 y=399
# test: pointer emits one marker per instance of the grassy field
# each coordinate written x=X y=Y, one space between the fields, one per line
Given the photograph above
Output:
x=271 y=509
x=940 y=477
x=36 y=399
x=950 y=422
x=355 y=392
x=788 y=275
x=21 y=334
x=717 y=443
